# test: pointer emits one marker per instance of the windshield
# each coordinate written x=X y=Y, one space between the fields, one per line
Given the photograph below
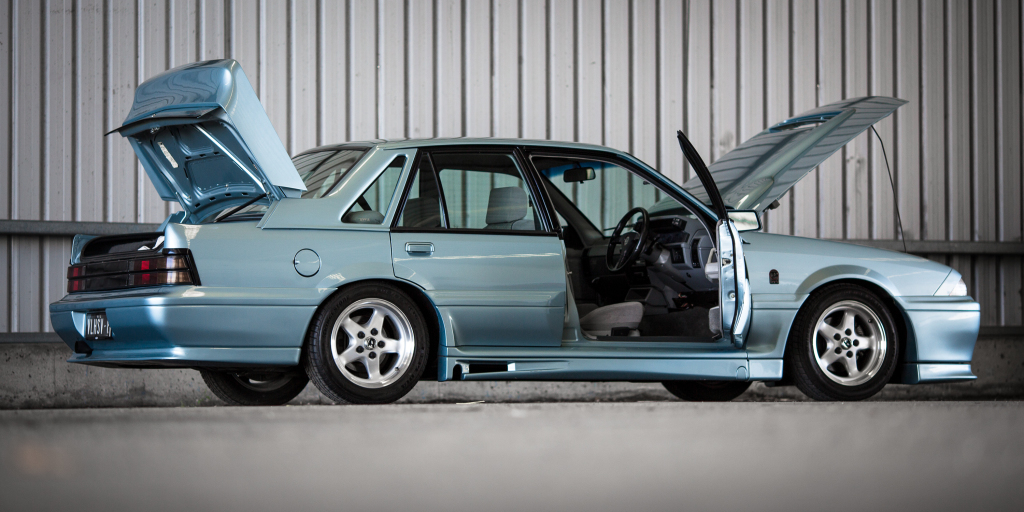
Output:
x=320 y=171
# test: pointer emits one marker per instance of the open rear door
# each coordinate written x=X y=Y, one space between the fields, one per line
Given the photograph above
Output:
x=733 y=287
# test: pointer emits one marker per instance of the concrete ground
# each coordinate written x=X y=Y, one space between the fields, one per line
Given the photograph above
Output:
x=36 y=375
x=493 y=457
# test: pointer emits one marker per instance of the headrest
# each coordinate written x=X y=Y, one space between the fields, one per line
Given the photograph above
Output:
x=506 y=204
x=363 y=217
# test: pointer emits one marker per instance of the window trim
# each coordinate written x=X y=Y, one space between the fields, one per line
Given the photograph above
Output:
x=368 y=187
x=638 y=170
x=333 y=150
x=407 y=189
x=525 y=168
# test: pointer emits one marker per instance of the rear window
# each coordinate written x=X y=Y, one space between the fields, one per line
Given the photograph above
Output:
x=321 y=171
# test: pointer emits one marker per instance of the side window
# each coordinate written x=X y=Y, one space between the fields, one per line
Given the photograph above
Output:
x=485 y=191
x=371 y=207
x=322 y=171
x=611 y=191
x=423 y=205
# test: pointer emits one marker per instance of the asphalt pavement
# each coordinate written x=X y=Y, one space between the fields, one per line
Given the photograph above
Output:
x=493 y=457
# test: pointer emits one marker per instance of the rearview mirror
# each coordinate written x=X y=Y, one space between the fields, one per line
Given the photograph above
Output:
x=579 y=174
x=745 y=220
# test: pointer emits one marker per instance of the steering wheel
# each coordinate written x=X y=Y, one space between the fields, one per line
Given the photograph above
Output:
x=632 y=243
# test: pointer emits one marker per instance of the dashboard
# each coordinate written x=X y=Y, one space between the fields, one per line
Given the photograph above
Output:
x=688 y=242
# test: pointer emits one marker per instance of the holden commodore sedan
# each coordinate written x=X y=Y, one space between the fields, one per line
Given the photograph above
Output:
x=369 y=266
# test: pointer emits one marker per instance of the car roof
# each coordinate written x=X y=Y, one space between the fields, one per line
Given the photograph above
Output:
x=459 y=141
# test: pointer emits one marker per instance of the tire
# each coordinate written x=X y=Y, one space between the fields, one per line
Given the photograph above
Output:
x=706 y=390
x=843 y=344
x=250 y=388
x=353 y=356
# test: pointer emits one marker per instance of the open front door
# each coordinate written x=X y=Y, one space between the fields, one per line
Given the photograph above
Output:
x=733 y=287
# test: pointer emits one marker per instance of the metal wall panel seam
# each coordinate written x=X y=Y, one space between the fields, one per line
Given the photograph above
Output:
x=321 y=117
x=108 y=169
x=76 y=130
x=140 y=48
x=290 y=38
x=14 y=101
x=13 y=300
x=46 y=163
x=262 y=41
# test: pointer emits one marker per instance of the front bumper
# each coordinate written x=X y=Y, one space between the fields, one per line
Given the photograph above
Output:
x=188 y=326
x=941 y=334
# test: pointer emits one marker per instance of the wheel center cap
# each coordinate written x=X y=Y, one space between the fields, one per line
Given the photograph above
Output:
x=846 y=343
x=371 y=343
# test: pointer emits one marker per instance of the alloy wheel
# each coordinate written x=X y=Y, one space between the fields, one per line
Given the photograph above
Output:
x=372 y=343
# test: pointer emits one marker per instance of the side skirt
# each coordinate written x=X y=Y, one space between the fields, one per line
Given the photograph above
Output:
x=593 y=369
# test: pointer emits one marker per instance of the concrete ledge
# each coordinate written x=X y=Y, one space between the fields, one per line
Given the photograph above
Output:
x=36 y=375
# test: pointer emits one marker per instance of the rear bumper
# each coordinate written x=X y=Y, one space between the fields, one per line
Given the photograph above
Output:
x=186 y=326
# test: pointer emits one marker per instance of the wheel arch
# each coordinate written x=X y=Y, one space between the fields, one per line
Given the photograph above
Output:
x=431 y=315
x=883 y=294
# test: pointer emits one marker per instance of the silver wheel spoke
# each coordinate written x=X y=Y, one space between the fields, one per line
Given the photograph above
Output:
x=829 y=332
x=372 y=368
x=847 y=325
x=348 y=356
x=390 y=346
x=851 y=366
x=376 y=321
x=867 y=342
x=351 y=327
x=830 y=357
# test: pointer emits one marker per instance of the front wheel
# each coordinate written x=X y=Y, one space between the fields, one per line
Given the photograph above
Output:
x=255 y=388
x=706 y=390
x=367 y=345
x=843 y=345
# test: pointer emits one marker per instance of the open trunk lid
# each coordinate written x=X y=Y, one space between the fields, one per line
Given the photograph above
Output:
x=205 y=140
x=764 y=168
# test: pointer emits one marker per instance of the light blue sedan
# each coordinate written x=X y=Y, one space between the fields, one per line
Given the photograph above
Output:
x=369 y=266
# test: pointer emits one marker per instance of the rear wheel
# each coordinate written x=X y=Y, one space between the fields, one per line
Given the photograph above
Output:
x=843 y=345
x=255 y=388
x=706 y=390
x=368 y=345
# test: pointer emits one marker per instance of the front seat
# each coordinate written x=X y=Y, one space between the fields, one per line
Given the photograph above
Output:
x=507 y=208
x=621 y=316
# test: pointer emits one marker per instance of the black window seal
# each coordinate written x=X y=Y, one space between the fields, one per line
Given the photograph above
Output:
x=628 y=165
x=524 y=169
x=477 y=231
x=416 y=163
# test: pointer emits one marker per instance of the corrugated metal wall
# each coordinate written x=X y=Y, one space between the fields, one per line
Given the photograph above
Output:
x=626 y=74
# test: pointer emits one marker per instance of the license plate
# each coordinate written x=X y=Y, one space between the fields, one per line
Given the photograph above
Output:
x=97 y=327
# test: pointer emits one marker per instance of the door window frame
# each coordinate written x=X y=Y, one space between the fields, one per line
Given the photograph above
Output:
x=641 y=171
x=541 y=202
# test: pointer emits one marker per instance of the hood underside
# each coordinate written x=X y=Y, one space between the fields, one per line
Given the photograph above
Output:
x=764 y=168
x=205 y=140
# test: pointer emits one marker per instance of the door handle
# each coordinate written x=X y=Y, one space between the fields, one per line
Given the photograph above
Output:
x=419 y=247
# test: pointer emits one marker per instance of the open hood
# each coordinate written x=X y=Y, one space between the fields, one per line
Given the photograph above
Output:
x=205 y=140
x=764 y=168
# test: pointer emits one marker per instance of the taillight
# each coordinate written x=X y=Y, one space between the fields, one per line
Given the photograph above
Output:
x=171 y=266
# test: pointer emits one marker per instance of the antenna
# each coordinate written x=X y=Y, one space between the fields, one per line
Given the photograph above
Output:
x=895 y=200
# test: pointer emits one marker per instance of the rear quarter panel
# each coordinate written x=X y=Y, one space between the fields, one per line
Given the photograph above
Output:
x=241 y=255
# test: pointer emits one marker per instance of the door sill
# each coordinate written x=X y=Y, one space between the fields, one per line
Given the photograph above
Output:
x=657 y=339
